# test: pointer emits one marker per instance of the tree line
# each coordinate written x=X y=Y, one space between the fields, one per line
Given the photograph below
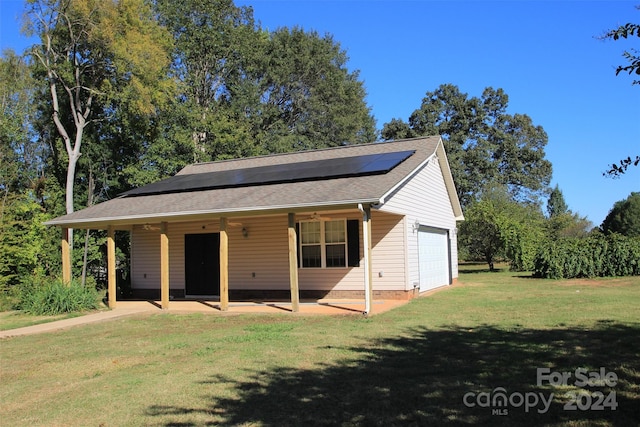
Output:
x=117 y=94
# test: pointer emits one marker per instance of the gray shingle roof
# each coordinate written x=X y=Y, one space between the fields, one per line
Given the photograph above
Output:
x=260 y=198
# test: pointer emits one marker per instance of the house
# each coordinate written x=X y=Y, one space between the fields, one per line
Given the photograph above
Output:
x=359 y=221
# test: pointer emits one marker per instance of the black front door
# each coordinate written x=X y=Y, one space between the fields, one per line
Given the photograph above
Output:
x=202 y=264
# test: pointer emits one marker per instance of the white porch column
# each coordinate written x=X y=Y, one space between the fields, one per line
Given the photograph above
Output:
x=366 y=243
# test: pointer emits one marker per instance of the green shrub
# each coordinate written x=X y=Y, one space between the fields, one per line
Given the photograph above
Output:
x=7 y=299
x=51 y=298
x=595 y=256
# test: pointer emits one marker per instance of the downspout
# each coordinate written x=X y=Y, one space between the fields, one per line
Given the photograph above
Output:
x=365 y=244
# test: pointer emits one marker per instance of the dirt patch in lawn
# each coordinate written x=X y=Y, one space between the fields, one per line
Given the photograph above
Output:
x=601 y=282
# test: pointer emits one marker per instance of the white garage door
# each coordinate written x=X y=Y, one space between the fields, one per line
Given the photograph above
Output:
x=433 y=252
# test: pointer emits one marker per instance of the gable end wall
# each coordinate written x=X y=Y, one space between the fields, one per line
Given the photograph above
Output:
x=424 y=199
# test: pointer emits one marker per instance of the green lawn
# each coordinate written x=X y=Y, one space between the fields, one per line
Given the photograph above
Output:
x=411 y=366
x=16 y=319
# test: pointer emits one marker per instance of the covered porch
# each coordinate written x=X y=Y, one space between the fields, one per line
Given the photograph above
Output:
x=222 y=303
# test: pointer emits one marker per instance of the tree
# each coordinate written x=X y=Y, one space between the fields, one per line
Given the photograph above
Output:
x=308 y=97
x=633 y=57
x=21 y=157
x=625 y=31
x=248 y=91
x=561 y=221
x=25 y=244
x=485 y=145
x=479 y=235
x=556 y=205
x=25 y=249
x=96 y=57
x=496 y=226
x=214 y=45
x=624 y=217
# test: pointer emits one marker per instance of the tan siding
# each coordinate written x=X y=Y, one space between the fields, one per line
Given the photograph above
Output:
x=260 y=260
x=389 y=266
x=145 y=259
x=347 y=278
x=145 y=253
x=387 y=241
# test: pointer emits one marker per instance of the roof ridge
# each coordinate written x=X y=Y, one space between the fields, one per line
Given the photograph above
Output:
x=311 y=150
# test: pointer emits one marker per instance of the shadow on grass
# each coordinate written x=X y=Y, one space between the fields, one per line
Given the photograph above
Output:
x=422 y=377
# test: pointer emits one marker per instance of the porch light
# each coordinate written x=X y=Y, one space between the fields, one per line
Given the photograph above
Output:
x=245 y=232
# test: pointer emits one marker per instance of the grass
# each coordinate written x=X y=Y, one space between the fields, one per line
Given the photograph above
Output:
x=410 y=366
x=16 y=319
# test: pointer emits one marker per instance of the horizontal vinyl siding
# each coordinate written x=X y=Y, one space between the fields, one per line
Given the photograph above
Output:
x=424 y=199
x=388 y=252
x=261 y=260
x=145 y=259
x=339 y=278
x=145 y=253
x=387 y=241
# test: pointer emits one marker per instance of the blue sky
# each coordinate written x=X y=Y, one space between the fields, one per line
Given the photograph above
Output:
x=544 y=54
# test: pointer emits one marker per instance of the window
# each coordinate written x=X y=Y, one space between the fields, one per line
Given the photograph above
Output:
x=323 y=244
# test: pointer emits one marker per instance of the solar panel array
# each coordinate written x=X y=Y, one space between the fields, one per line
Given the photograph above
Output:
x=370 y=164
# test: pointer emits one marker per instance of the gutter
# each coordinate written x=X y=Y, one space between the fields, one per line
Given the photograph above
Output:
x=187 y=215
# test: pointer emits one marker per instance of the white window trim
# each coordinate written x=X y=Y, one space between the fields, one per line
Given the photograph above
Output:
x=323 y=245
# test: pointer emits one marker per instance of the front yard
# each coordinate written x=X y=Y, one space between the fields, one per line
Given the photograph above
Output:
x=444 y=359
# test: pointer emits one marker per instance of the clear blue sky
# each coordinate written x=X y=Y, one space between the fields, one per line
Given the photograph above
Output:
x=544 y=54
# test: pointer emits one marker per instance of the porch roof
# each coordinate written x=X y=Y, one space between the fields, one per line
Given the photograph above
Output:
x=326 y=193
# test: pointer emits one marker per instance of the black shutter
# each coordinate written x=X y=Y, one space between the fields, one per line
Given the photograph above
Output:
x=353 y=242
x=298 y=243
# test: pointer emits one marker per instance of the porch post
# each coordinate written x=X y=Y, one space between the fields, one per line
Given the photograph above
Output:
x=66 y=257
x=164 y=266
x=111 y=266
x=224 y=265
x=366 y=243
x=370 y=257
x=293 y=264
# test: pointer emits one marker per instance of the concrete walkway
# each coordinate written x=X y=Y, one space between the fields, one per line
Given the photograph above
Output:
x=127 y=308
x=74 y=321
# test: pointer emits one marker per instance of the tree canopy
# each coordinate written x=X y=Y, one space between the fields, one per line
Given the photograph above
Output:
x=562 y=222
x=250 y=91
x=556 y=204
x=96 y=58
x=624 y=217
x=485 y=145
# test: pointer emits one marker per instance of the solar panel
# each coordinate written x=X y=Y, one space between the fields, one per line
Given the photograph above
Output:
x=369 y=164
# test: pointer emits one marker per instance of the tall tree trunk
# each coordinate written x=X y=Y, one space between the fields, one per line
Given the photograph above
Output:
x=91 y=185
